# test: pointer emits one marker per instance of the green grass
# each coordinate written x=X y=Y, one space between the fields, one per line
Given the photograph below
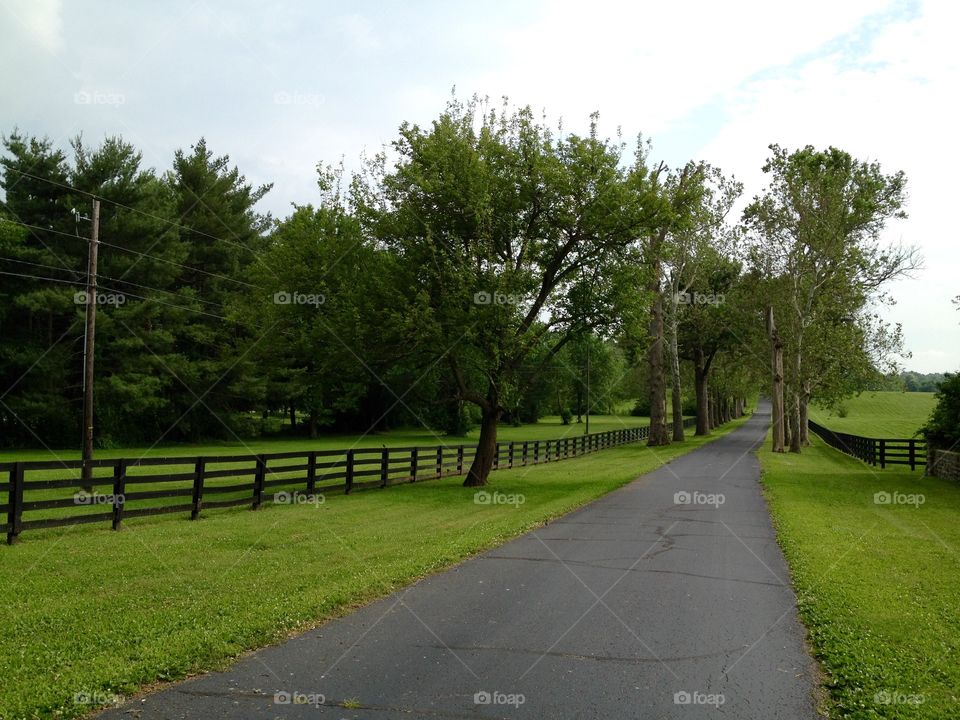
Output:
x=548 y=428
x=879 y=414
x=87 y=610
x=878 y=585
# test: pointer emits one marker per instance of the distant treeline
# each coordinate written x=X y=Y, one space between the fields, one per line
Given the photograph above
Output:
x=908 y=381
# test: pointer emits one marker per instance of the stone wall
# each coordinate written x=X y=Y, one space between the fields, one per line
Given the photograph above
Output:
x=944 y=464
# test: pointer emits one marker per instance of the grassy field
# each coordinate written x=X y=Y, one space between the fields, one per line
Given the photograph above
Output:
x=878 y=584
x=879 y=414
x=87 y=610
x=548 y=428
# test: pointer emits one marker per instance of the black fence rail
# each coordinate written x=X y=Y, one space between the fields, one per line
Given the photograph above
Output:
x=875 y=451
x=53 y=493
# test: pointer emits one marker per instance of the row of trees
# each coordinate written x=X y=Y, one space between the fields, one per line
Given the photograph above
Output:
x=476 y=270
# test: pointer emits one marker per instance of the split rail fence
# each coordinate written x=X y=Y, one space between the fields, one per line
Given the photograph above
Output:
x=51 y=493
x=875 y=451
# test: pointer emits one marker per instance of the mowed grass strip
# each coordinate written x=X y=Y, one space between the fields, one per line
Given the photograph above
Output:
x=878 y=582
x=879 y=414
x=91 y=611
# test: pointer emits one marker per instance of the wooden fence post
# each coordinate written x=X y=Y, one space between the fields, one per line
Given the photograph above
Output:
x=883 y=454
x=913 y=455
x=460 y=460
x=119 y=489
x=413 y=465
x=311 y=472
x=384 y=467
x=348 y=481
x=510 y=454
x=197 y=498
x=258 y=480
x=524 y=456
x=440 y=461
x=536 y=452
x=496 y=456
x=15 y=503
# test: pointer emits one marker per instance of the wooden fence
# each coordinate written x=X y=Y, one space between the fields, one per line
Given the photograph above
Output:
x=876 y=451
x=129 y=488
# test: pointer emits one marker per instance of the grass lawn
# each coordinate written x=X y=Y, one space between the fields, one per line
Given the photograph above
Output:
x=548 y=428
x=87 y=610
x=879 y=414
x=878 y=584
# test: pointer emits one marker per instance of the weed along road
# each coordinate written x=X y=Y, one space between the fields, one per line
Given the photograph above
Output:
x=668 y=598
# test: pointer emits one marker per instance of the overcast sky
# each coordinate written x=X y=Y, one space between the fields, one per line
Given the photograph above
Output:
x=282 y=86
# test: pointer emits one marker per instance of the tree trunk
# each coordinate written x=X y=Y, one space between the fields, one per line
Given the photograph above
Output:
x=795 y=422
x=776 y=370
x=312 y=422
x=673 y=354
x=293 y=416
x=804 y=417
x=658 y=386
x=486 y=448
x=700 y=384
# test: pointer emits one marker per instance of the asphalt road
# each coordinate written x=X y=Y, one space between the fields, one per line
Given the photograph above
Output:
x=639 y=605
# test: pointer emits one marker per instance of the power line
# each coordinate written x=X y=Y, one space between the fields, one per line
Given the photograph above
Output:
x=38 y=277
x=127 y=294
x=134 y=252
x=136 y=210
x=179 y=307
x=39 y=265
x=161 y=290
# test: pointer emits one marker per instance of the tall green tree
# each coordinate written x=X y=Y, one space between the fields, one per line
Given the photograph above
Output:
x=816 y=233
x=223 y=235
x=510 y=238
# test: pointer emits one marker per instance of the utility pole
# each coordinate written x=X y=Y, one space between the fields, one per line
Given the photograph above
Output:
x=88 y=347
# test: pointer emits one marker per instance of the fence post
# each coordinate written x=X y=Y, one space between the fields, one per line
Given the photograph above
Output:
x=119 y=488
x=913 y=455
x=311 y=472
x=510 y=454
x=197 y=499
x=15 y=500
x=413 y=465
x=883 y=454
x=459 y=459
x=258 y=480
x=525 y=453
x=348 y=481
x=384 y=467
x=536 y=452
x=496 y=456
x=440 y=461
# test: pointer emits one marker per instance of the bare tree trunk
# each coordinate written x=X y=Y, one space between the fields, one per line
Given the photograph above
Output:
x=673 y=354
x=658 y=388
x=795 y=422
x=486 y=448
x=805 y=416
x=700 y=386
x=776 y=369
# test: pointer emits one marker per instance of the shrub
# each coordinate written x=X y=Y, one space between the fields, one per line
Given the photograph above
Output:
x=942 y=429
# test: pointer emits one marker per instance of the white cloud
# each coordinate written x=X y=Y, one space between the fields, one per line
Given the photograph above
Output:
x=896 y=106
x=42 y=20
x=646 y=65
